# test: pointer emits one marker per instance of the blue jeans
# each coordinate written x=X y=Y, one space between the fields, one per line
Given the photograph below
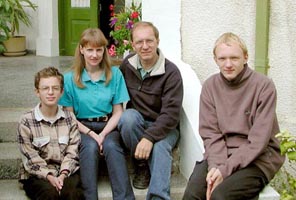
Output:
x=132 y=126
x=115 y=160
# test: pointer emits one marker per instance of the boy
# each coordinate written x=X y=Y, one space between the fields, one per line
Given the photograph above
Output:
x=48 y=140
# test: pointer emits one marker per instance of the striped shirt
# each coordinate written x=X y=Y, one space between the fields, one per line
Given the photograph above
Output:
x=48 y=145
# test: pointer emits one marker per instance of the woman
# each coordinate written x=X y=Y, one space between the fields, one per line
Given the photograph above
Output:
x=95 y=92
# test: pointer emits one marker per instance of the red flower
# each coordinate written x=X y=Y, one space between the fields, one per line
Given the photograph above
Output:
x=112 y=51
x=134 y=15
x=111 y=7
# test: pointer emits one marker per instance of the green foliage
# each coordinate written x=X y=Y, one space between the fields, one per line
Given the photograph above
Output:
x=11 y=14
x=122 y=24
x=284 y=181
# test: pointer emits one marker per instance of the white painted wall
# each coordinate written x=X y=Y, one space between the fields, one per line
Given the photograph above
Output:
x=282 y=57
x=32 y=31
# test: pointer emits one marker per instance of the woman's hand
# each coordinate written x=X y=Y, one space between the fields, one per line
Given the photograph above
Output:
x=99 y=139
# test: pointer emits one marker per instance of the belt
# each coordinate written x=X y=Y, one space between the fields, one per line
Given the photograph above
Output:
x=104 y=118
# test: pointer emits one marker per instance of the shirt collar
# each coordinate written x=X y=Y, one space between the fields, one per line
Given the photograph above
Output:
x=158 y=68
x=39 y=116
x=85 y=77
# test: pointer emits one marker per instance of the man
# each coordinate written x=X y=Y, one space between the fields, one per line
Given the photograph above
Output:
x=48 y=140
x=149 y=125
x=238 y=124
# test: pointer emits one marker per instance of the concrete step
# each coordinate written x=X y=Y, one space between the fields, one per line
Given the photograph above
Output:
x=8 y=123
x=9 y=161
x=10 y=189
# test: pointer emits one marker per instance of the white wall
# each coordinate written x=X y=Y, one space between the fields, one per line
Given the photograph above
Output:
x=32 y=31
x=204 y=21
x=282 y=57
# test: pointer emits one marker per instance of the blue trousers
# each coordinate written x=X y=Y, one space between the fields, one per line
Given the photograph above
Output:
x=132 y=126
x=115 y=159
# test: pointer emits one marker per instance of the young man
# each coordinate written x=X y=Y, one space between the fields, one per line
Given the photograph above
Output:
x=238 y=124
x=149 y=125
x=48 y=140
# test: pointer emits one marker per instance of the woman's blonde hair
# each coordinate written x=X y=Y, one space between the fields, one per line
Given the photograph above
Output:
x=92 y=37
x=228 y=38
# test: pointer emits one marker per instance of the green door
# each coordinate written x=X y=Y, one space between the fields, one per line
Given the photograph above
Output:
x=74 y=17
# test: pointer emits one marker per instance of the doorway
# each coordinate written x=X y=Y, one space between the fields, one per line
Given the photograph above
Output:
x=77 y=15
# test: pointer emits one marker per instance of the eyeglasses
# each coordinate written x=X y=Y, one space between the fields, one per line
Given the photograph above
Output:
x=55 y=88
x=148 y=42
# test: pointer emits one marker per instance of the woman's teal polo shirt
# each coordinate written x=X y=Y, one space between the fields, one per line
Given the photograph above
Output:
x=95 y=99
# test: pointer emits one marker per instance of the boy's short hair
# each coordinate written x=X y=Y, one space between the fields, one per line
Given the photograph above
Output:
x=48 y=72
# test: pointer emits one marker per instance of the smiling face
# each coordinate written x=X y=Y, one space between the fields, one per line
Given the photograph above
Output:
x=49 y=91
x=230 y=58
x=93 y=55
x=145 y=44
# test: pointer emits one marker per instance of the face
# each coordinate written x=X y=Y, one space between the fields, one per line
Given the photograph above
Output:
x=230 y=59
x=145 y=44
x=49 y=91
x=92 y=55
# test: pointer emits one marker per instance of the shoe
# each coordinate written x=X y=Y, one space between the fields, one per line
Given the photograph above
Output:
x=142 y=175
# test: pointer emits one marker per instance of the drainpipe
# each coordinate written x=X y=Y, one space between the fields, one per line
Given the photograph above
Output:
x=262 y=33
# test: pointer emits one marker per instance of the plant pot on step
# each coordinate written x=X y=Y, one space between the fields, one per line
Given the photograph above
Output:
x=15 y=46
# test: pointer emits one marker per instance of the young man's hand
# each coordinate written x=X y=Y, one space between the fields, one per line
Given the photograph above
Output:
x=56 y=182
x=143 y=149
x=214 y=178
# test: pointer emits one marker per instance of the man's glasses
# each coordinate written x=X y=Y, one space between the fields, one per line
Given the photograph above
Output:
x=55 y=88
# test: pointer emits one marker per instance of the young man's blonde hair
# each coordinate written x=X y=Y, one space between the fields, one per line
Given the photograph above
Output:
x=228 y=38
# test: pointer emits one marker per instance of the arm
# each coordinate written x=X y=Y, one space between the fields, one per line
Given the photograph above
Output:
x=259 y=134
x=171 y=104
x=215 y=147
x=70 y=162
x=33 y=163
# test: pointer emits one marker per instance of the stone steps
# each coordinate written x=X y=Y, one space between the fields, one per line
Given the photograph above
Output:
x=10 y=189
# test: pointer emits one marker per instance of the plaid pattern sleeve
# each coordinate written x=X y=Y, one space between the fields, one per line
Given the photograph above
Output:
x=70 y=161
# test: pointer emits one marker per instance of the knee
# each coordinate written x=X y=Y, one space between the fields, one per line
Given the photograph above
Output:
x=162 y=148
x=89 y=147
x=128 y=118
x=110 y=146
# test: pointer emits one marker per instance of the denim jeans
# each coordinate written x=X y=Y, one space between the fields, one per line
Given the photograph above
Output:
x=115 y=160
x=132 y=126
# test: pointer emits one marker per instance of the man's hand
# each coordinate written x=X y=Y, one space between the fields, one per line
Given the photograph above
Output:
x=214 y=178
x=143 y=149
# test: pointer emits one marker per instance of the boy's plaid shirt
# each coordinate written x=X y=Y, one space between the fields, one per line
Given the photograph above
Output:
x=48 y=147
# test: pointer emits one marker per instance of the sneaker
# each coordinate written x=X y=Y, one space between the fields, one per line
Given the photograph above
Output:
x=142 y=175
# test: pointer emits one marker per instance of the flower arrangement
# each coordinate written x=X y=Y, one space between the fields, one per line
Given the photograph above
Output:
x=122 y=23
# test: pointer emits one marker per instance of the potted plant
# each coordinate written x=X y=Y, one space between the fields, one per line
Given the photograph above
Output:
x=12 y=12
x=122 y=24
